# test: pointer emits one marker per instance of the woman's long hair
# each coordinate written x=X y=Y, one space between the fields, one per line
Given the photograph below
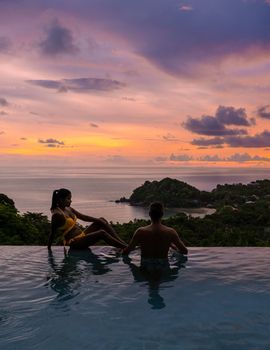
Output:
x=62 y=193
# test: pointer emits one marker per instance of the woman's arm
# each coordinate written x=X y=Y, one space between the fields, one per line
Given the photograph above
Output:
x=86 y=218
x=57 y=221
x=132 y=244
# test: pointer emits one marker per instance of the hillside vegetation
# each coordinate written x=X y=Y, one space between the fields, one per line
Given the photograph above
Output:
x=242 y=217
x=175 y=193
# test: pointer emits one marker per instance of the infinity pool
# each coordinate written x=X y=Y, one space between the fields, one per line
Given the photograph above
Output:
x=218 y=299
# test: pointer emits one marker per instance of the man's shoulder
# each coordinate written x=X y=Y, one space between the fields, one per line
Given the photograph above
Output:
x=142 y=229
x=168 y=229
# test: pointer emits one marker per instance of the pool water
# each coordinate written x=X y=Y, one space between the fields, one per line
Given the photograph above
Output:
x=217 y=299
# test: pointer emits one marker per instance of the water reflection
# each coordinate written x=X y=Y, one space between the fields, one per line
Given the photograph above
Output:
x=77 y=267
x=66 y=278
x=156 y=277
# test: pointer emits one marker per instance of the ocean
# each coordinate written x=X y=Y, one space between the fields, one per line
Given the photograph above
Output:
x=94 y=190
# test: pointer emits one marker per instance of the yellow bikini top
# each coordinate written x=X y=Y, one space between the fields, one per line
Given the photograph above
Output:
x=68 y=225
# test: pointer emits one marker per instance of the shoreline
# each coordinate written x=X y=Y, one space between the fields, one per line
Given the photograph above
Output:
x=194 y=212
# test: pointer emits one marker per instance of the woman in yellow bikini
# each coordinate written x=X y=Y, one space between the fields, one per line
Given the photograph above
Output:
x=64 y=223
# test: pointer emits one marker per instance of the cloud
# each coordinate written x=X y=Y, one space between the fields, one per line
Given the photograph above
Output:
x=169 y=137
x=185 y=8
x=5 y=44
x=48 y=84
x=116 y=158
x=245 y=157
x=211 y=158
x=264 y=112
x=160 y=159
x=256 y=141
x=216 y=125
x=3 y=113
x=163 y=31
x=164 y=34
x=259 y=140
x=208 y=142
x=93 y=125
x=178 y=51
x=232 y=116
x=210 y=126
x=51 y=142
x=2 y=132
x=79 y=85
x=131 y=73
x=23 y=138
x=58 y=40
x=180 y=157
x=3 y=102
x=252 y=121
x=218 y=146
x=237 y=157
x=128 y=99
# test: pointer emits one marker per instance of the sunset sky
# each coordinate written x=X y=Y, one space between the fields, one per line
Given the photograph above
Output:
x=145 y=82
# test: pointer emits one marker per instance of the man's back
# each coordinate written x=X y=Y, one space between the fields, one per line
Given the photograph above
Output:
x=154 y=240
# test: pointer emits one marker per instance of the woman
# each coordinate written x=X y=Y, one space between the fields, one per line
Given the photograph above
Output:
x=64 y=223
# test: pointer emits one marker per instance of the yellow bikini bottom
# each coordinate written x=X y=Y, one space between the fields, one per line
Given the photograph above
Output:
x=75 y=239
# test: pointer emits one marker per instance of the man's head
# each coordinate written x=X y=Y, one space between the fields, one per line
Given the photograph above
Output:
x=156 y=211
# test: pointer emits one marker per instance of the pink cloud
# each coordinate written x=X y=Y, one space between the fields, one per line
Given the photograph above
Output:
x=185 y=8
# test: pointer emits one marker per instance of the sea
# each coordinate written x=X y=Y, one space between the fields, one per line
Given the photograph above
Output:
x=95 y=189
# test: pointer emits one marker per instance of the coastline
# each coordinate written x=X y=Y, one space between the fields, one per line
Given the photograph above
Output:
x=194 y=212
x=94 y=188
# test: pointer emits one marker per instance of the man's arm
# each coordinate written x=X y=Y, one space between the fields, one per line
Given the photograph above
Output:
x=176 y=241
x=132 y=244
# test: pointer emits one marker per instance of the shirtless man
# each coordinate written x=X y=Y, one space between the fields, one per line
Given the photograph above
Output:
x=156 y=238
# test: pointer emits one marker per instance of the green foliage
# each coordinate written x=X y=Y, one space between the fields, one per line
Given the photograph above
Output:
x=7 y=202
x=127 y=230
x=171 y=192
x=249 y=225
x=174 y=193
x=238 y=194
x=41 y=224
x=16 y=229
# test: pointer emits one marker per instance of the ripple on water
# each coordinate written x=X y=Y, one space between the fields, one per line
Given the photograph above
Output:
x=5 y=317
x=47 y=300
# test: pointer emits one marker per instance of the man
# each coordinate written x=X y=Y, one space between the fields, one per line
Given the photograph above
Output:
x=156 y=238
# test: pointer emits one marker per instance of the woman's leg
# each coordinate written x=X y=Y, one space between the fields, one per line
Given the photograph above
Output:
x=106 y=227
x=91 y=238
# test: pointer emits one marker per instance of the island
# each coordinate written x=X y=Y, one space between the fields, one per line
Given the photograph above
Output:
x=174 y=193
